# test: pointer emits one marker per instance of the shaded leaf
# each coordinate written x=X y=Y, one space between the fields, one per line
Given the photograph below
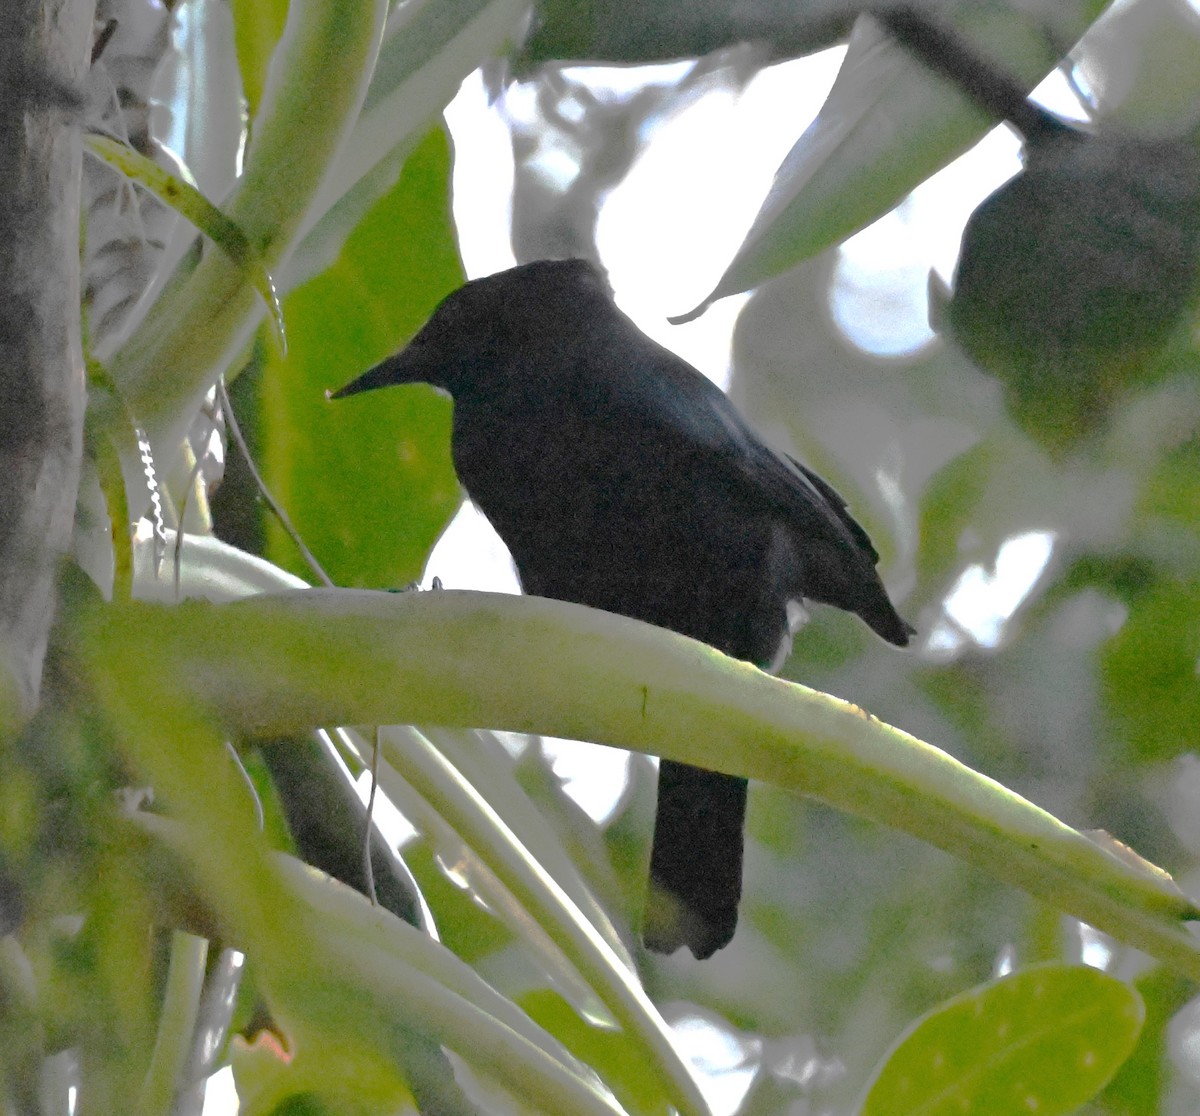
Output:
x=1149 y=672
x=628 y=31
x=1076 y=276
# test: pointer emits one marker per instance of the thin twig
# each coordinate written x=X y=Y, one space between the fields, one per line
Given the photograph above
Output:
x=272 y=503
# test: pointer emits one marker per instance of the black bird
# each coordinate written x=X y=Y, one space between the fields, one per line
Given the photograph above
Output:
x=620 y=478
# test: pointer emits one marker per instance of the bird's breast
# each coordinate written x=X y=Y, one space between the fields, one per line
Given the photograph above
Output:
x=611 y=517
x=542 y=473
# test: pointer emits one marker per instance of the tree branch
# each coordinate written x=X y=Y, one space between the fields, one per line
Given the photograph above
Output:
x=43 y=53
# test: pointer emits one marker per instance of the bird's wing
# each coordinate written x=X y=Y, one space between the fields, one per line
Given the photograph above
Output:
x=692 y=410
x=838 y=505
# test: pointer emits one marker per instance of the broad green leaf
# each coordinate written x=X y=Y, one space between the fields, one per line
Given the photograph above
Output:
x=367 y=482
x=887 y=125
x=1043 y=1040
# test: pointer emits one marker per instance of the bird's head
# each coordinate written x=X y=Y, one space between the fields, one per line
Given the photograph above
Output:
x=493 y=326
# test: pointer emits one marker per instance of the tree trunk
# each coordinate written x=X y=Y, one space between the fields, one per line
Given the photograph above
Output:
x=44 y=51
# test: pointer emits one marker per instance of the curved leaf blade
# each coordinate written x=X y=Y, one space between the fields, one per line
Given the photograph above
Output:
x=186 y=200
x=527 y=664
x=887 y=125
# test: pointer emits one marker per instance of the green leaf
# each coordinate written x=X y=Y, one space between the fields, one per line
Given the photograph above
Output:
x=1122 y=287
x=527 y=664
x=1144 y=1080
x=951 y=506
x=625 y=32
x=173 y=1045
x=368 y=484
x=303 y=1104
x=487 y=846
x=1149 y=672
x=887 y=125
x=188 y=202
x=1042 y=1040
x=257 y=27
x=430 y=47
x=200 y=323
x=606 y=1049
x=1169 y=505
x=1148 y=669
x=530 y=895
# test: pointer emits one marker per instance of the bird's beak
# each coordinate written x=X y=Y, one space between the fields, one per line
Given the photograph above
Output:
x=409 y=366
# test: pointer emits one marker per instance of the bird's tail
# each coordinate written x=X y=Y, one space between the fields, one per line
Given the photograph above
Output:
x=696 y=860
